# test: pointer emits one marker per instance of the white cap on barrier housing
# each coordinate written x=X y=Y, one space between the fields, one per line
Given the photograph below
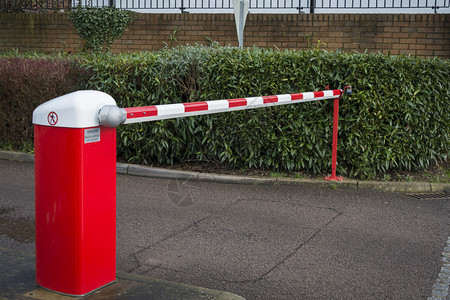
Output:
x=75 y=110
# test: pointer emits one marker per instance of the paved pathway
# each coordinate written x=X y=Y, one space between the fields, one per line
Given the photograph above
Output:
x=261 y=242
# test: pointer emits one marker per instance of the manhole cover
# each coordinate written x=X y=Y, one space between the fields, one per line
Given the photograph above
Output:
x=431 y=196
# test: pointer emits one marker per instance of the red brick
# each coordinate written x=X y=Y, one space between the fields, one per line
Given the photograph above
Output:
x=408 y=41
x=383 y=46
x=400 y=46
x=434 y=47
x=441 y=42
x=435 y=36
x=424 y=52
x=400 y=35
x=336 y=34
x=442 y=29
x=335 y=45
x=444 y=54
x=417 y=47
x=391 y=29
x=418 y=35
x=391 y=41
x=407 y=52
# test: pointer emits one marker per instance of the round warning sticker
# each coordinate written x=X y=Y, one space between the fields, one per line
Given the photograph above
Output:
x=52 y=118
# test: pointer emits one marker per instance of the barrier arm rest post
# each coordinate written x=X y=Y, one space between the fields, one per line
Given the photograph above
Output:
x=333 y=176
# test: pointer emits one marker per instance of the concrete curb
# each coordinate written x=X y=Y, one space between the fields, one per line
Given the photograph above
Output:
x=16 y=156
x=348 y=183
x=403 y=187
x=138 y=170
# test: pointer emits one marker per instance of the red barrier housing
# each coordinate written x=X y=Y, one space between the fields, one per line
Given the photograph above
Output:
x=75 y=184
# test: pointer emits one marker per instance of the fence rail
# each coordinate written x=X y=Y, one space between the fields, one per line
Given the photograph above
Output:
x=217 y=5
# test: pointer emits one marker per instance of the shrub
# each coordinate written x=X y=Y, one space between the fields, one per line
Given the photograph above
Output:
x=26 y=83
x=397 y=117
x=99 y=27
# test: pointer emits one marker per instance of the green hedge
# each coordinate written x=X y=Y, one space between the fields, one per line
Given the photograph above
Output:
x=396 y=118
x=26 y=82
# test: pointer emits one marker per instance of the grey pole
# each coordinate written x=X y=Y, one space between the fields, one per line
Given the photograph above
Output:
x=241 y=24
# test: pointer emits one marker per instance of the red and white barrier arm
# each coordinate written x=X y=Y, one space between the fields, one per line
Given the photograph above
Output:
x=180 y=110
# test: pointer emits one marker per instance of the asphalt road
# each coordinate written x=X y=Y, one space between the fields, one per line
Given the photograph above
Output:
x=260 y=242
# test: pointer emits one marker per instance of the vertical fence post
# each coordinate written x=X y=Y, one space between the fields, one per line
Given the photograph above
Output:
x=312 y=5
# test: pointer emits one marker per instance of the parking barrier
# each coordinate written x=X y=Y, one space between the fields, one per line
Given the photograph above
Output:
x=75 y=178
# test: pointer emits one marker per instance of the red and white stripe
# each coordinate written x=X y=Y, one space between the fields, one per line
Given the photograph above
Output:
x=180 y=110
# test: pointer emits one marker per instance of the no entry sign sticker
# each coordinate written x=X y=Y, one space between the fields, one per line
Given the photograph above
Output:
x=52 y=118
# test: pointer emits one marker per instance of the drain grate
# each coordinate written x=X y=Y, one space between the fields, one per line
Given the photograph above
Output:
x=431 y=196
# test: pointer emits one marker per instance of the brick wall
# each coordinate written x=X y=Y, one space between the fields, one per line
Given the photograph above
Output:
x=423 y=35
x=38 y=32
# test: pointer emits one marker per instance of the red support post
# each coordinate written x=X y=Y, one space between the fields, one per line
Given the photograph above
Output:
x=333 y=176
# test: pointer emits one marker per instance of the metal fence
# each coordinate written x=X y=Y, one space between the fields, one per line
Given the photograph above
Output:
x=220 y=5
